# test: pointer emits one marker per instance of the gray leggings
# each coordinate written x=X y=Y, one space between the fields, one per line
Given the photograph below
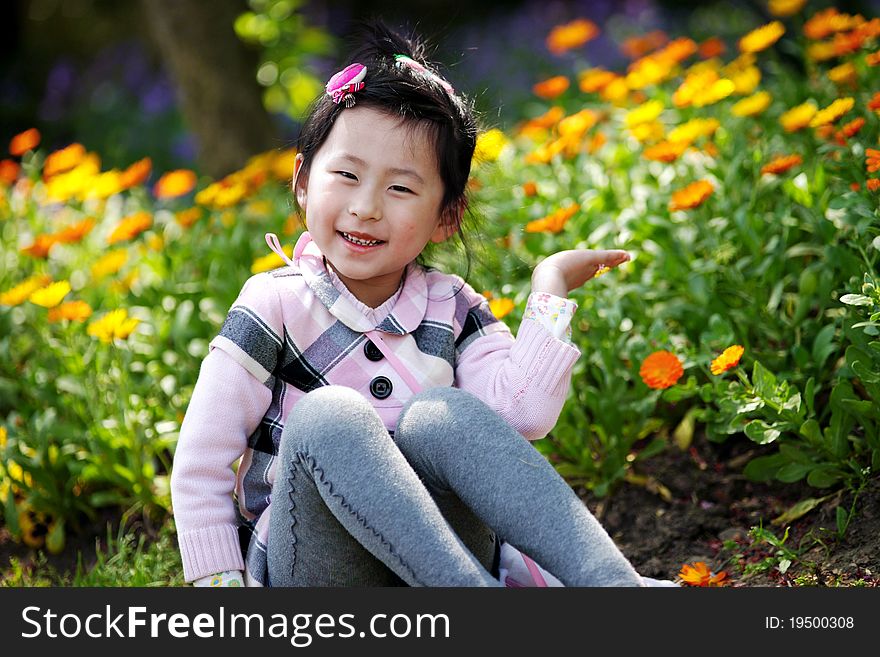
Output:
x=353 y=506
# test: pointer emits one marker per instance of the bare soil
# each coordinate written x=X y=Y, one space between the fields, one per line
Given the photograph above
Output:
x=713 y=509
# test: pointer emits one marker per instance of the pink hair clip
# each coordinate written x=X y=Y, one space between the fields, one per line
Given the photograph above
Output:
x=409 y=62
x=342 y=86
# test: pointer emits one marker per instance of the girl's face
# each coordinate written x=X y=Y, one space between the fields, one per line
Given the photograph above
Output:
x=372 y=200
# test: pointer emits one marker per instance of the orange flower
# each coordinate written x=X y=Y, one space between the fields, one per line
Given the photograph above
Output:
x=63 y=160
x=874 y=103
x=175 y=183
x=700 y=575
x=9 y=170
x=661 y=370
x=665 y=151
x=530 y=188
x=849 y=130
x=75 y=232
x=188 y=217
x=691 y=196
x=712 y=47
x=728 y=359
x=551 y=88
x=40 y=247
x=553 y=223
x=873 y=59
x=782 y=164
x=130 y=227
x=595 y=79
x=639 y=46
x=75 y=311
x=854 y=186
x=873 y=184
x=501 y=307
x=872 y=162
x=828 y=22
x=762 y=37
x=571 y=35
x=136 y=173
x=24 y=142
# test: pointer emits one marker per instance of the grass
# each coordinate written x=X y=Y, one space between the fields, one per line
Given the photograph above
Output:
x=127 y=559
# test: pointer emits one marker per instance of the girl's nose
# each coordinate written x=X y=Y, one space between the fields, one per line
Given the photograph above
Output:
x=365 y=205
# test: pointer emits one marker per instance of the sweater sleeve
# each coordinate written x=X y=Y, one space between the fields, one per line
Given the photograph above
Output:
x=525 y=380
x=230 y=398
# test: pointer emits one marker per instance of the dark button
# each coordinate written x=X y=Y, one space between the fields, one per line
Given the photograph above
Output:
x=380 y=387
x=371 y=351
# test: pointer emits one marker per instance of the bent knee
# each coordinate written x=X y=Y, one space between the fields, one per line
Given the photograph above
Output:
x=325 y=411
x=436 y=413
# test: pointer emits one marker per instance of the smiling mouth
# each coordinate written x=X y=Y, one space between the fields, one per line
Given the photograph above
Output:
x=359 y=241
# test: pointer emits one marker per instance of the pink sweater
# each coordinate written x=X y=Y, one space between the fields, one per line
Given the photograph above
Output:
x=275 y=346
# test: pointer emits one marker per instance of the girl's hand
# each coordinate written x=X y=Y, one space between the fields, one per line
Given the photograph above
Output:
x=565 y=271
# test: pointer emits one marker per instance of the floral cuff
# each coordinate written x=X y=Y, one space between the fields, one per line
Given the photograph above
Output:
x=552 y=312
x=226 y=578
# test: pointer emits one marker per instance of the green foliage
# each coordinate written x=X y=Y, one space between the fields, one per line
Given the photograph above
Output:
x=286 y=44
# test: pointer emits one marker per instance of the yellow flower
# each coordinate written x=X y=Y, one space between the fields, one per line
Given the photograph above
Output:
x=843 y=74
x=783 y=8
x=693 y=130
x=271 y=261
x=728 y=359
x=576 y=125
x=644 y=113
x=762 y=38
x=115 y=324
x=718 y=90
x=75 y=311
x=105 y=185
x=752 y=105
x=20 y=293
x=615 y=91
x=745 y=80
x=489 y=145
x=821 y=51
x=595 y=79
x=110 y=263
x=3 y=435
x=648 y=132
x=798 y=117
x=282 y=165
x=76 y=182
x=51 y=295
x=63 y=160
x=501 y=307
x=648 y=71
x=833 y=112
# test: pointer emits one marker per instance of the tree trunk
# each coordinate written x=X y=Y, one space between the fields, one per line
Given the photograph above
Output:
x=215 y=77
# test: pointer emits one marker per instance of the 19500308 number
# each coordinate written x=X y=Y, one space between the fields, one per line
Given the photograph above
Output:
x=821 y=622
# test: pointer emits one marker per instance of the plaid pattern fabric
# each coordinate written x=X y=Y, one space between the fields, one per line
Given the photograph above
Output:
x=298 y=328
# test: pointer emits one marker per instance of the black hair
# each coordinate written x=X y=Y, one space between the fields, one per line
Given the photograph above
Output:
x=419 y=99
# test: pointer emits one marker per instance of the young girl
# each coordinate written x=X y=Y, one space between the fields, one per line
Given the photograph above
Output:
x=379 y=413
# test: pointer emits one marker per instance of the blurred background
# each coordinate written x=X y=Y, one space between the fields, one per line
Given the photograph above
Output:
x=198 y=83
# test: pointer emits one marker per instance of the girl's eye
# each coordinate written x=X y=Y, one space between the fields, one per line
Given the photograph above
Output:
x=401 y=188
x=346 y=174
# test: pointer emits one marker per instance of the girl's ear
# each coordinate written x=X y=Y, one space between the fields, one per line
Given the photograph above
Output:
x=299 y=182
x=447 y=226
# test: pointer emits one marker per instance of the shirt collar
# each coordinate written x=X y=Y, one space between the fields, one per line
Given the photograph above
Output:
x=401 y=314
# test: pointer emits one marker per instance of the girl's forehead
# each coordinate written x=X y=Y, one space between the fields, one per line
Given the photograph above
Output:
x=378 y=137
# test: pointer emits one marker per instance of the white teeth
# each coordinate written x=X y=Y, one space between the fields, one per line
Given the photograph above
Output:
x=351 y=238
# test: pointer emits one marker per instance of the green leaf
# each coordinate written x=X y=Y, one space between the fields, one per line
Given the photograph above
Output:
x=823 y=477
x=764 y=381
x=856 y=300
x=812 y=432
x=762 y=433
x=764 y=468
x=791 y=472
x=841 y=517
x=810 y=394
x=823 y=345
x=798 y=510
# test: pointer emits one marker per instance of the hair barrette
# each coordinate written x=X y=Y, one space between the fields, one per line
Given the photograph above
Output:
x=409 y=62
x=342 y=86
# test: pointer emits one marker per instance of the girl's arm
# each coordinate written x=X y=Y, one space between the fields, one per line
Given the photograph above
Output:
x=226 y=407
x=526 y=381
